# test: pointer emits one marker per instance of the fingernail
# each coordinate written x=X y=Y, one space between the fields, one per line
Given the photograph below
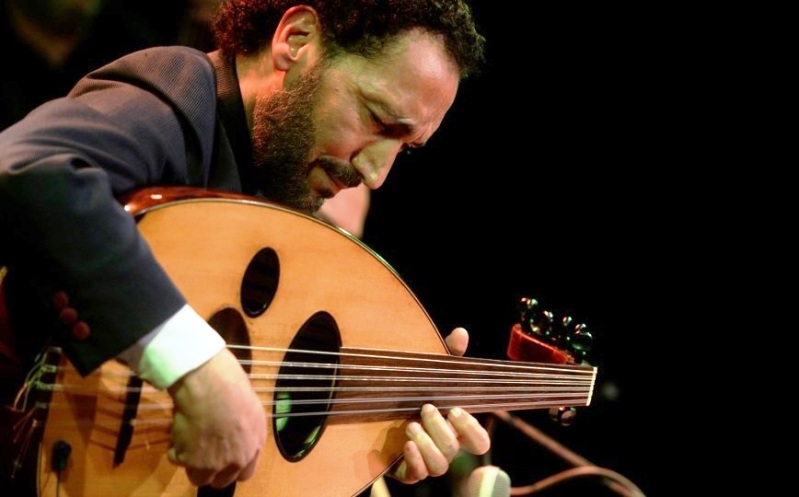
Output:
x=455 y=412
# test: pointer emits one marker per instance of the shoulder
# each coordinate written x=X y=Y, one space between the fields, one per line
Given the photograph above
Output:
x=160 y=81
x=171 y=71
x=169 y=60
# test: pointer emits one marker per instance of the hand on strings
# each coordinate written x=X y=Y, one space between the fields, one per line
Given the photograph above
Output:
x=434 y=441
x=219 y=425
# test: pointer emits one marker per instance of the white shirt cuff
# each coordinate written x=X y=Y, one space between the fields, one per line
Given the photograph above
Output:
x=180 y=344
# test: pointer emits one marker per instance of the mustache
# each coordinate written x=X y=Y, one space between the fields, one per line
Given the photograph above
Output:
x=342 y=172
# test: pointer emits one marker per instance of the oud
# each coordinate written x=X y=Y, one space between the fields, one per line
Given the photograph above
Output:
x=339 y=349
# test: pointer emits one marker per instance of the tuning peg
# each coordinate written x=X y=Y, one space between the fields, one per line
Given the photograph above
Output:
x=527 y=306
x=580 y=341
x=564 y=416
x=540 y=324
x=546 y=324
x=528 y=311
x=537 y=321
x=561 y=332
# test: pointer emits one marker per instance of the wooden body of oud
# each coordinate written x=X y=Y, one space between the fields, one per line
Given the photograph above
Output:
x=205 y=245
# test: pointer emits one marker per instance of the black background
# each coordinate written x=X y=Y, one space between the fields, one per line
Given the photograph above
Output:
x=556 y=176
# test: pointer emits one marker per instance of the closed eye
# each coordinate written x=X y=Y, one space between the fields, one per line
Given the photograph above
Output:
x=391 y=129
x=397 y=130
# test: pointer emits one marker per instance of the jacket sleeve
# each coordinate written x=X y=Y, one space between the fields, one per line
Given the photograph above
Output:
x=61 y=170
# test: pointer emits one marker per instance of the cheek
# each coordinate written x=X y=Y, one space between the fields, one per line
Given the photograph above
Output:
x=339 y=134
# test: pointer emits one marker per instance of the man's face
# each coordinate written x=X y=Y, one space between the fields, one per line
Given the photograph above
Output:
x=345 y=120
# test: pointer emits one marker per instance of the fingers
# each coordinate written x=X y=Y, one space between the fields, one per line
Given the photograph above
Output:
x=225 y=478
x=441 y=433
x=219 y=424
x=421 y=455
x=172 y=455
x=412 y=469
x=200 y=476
x=249 y=471
x=435 y=441
x=471 y=434
x=434 y=460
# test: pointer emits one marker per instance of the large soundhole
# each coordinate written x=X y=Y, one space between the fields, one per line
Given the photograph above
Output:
x=304 y=389
x=260 y=282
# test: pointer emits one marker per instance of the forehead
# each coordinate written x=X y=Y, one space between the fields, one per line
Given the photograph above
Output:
x=414 y=79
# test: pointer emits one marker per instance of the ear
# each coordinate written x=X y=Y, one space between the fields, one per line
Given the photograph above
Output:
x=296 y=37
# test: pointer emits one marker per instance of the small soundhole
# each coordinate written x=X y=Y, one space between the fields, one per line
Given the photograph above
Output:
x=259 y=285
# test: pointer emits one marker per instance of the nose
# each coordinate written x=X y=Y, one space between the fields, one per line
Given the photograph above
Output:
x=374 y=161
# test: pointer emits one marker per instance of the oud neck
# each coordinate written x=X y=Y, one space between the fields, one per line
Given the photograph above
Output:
x=377 y=384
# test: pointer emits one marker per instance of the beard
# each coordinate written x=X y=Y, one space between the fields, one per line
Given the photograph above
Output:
x=283 y=137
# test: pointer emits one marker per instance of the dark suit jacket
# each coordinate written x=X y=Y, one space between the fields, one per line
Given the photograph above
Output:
x=167 y=115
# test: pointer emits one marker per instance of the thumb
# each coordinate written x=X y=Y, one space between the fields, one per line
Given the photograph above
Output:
x=172 y=455
x=457 y=341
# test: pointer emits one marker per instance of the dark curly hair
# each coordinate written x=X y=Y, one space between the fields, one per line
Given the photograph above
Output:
x=357 y=26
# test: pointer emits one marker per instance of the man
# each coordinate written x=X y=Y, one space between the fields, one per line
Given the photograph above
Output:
x=303 y=100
